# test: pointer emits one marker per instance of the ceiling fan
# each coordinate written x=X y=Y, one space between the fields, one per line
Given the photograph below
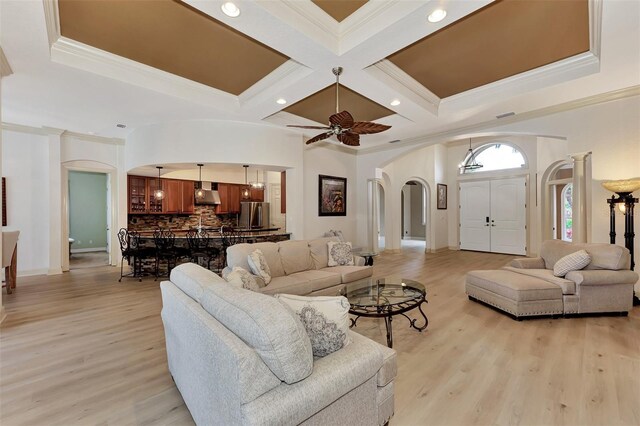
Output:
x=342 y=124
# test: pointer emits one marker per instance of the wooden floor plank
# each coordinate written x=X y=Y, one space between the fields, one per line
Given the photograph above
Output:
x=83 y=349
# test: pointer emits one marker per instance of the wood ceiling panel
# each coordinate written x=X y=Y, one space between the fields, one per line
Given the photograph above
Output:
x=319 y=106
x=339 y=9
x=173 y=37
x=506 y=38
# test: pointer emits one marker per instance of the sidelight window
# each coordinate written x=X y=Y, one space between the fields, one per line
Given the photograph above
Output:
x=567 y=220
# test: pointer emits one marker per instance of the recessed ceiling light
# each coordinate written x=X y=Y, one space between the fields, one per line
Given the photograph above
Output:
x=395 y=102
x=122 y=126
x=281 y=101
x=230 y=9
x=437 y=15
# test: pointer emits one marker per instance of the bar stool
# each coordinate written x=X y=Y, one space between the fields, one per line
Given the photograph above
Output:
x=230 y=236
x=165 y=242
x=200 y=246
x=133 y=252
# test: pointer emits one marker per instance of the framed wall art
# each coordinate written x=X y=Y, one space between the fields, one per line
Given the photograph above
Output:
x=332 y=196
x=442 y=196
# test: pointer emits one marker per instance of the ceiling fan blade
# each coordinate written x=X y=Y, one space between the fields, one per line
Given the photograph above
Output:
x=342 y=119
x=319 y=137
x=349 y=138
x=309 y=127
x=367 y=127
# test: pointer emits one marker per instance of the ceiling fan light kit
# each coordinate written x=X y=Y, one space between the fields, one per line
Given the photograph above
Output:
x=342 y=125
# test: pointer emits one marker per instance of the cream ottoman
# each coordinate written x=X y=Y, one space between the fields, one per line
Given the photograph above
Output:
x=517 y=294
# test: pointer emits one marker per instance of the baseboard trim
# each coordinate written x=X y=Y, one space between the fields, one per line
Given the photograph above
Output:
x=89 y=250
x=440 y=250
x=32 y=272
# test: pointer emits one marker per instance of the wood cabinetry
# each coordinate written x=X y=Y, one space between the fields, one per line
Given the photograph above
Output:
x=179 y=196
x=232 y=194
x=256 y=194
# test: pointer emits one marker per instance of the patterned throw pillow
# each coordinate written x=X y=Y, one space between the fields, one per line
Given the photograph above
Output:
x=326 y=319
x=571 y=262
x=242 y=278
x=258 y=265
x=339 y=253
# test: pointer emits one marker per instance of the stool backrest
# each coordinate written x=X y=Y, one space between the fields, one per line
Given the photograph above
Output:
x=198 y=240
x=164 y=239
x=9 y=243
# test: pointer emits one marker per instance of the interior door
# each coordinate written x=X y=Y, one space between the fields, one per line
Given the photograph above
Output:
x=475 y=212
x=275 y=198
x=508 y=216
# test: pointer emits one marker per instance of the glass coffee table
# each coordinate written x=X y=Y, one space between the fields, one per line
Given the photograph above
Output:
x=385 y=298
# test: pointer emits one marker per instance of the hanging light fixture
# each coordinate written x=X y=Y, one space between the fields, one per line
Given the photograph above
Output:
x=257 y=184
x=470 y=162
x=158 y=194
x=200 y=191
x=245 y=190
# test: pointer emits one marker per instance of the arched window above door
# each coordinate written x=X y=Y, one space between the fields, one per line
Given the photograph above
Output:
x=496 y=156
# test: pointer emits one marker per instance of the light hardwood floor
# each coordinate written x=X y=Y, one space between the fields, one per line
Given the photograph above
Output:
x=82 y=348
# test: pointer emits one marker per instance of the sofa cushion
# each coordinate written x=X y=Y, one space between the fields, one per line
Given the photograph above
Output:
x=603 y=256
x=350 y=273
x=258 y=265
x=320 y=252
x=319 y=279
x=339 y=253
x=288 y=285
x=514 y=286
x=237 y=256
x=193 y=279
x=567 y=286
x=274 y=331
x=326 y=319
x=242 y=278
x=295 y=256
x=571 y=262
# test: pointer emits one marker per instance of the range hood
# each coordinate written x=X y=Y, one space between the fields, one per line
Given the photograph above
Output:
x=211 y=197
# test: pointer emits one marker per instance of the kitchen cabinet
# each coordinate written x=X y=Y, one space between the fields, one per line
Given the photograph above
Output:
x=223 y=192
x=230 y=198
x=179 y=196
x=234 y=198
x=257 y=194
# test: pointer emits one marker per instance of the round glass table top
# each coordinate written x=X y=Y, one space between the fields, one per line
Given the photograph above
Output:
x=388 y=291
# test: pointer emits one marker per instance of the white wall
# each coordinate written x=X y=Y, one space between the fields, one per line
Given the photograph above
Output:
x=323 y=161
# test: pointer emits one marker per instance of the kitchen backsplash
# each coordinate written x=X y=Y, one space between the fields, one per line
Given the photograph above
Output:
x=145 y=222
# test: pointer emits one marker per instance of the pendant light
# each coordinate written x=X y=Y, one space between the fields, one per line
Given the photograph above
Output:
x=257 y=184
x=158 y=194
x=245 y=190
x=470 y=162
x=200 y=191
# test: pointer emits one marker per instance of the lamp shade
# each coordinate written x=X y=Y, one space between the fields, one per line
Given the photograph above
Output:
x=624 y=186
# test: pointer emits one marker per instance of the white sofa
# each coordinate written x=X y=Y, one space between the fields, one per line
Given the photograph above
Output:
x=236 y=358
x=299 y=267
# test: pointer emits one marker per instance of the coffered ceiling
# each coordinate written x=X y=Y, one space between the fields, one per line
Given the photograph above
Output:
x=87 y=65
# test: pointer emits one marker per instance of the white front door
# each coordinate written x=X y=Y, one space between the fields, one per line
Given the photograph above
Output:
x=508 y=216
x=493 y=216
x=475 y=212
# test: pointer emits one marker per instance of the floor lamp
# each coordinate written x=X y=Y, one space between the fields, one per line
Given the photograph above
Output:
x=625 y=202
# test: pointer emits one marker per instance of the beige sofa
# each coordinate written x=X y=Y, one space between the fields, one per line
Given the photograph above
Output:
x=235 y=356
x=299 y=267
x=527 y=287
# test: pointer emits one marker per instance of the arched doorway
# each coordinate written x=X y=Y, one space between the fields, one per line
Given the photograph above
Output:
x=414 y=214
x=557 y=202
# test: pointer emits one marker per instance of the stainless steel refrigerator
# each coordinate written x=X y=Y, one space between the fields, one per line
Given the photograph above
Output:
x=254 y=215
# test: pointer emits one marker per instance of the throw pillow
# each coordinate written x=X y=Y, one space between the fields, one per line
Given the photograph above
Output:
x=326 y=319
x=258 y=265
x=242 y=278
x=571 y=262
x=339 y=253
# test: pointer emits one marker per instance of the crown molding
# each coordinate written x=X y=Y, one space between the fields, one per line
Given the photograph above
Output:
x=595 y=26
x=5 y=67
x=52 y=20
x=391 y=75
x=47 y=131
x=82 y=56
x=464 y=131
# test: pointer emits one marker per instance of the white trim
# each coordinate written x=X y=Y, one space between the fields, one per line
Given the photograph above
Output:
x=388 y=73
x=460 y=132
x=89 y=250
x=19 y=128
x=87 y=58
x=32 y=272
x=93 y=138
x=52 y=20
x=275 y=82
x=561 y=71
x=595 y=26
x=5 y=67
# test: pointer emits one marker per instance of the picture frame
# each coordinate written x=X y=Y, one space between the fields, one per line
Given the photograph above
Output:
x=442 y=196
x=332 y=196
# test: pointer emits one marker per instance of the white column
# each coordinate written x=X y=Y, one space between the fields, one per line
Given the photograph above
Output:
x=55 y=202
x=5 y=70
x=372 y=217
x=579 y=194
